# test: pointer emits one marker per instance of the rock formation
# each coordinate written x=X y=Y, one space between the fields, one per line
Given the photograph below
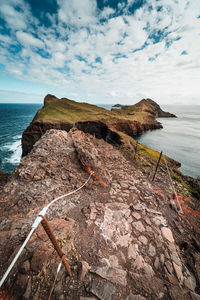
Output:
x=120 y=233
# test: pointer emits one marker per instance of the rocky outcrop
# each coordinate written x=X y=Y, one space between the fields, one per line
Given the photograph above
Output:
x=152 y=107
x=118 y=233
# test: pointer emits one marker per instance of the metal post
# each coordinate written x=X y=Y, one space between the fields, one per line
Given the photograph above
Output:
x=157 y=166
x=52 y=237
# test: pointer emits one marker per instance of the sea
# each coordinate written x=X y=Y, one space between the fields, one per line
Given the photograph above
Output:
x=179 y=138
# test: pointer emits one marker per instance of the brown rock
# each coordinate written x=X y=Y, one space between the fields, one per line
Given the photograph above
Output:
x=25 y=267
x=40 y=258
x=133 y=251
x=143 y=239
x=83 y=269
x=138 y=226
x=114 y=275
x=167 y=234
x=194 y=296
x=103 y=291
x=135 y=297
x=28 y=291
x=178 y=271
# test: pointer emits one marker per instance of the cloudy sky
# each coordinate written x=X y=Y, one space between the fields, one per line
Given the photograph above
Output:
x=100 y=51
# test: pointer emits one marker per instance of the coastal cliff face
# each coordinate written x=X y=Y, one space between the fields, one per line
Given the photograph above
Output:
x=64 y=114
x=121 y=235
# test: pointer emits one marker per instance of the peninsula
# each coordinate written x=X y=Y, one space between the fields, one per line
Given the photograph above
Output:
x=65 y=113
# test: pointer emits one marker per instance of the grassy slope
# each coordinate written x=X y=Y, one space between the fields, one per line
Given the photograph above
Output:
x=65 y=110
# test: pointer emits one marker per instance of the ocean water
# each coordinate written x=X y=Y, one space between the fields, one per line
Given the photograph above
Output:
x=179 y=139
x=14 y=119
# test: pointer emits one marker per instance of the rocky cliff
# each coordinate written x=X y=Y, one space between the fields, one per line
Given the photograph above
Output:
x=64 y=114
x=121 y=233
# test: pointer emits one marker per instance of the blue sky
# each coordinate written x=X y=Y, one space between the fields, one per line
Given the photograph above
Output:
x=100 y=51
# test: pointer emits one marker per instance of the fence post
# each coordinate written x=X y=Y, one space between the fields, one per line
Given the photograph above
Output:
x=157 y=166
x=52 y=237
x=136 y=149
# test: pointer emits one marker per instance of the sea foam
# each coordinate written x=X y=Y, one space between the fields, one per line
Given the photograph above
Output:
x=15 y=150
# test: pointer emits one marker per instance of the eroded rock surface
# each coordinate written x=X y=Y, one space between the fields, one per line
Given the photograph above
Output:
x=113 y=232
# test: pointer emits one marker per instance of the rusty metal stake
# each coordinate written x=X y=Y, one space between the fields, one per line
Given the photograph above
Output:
x=52 y=237
x=157 y=166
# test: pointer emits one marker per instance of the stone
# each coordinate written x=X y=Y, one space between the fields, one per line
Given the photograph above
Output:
x=169 y=267
x=112 y=261
x=25 y=267
x=83 y=269
x=162 y=258
x=153 y=211
x=136 y=215
x=124 y=185
x=178 y=271
x=194 y=296
x=40 y=257
x=103 y=291
x=143 y=239
x=190 y=282
x=160 y=220
x=135 y=297
x=167 y=234
x=147 y=220
x=175 y=258
x=133 y=251
x=138 y=226
x=149 y=229
x=93 y=213
x=148 y=269
x=139 y=262
x=151 y=250
x=138 y=206
x=172 y=279
x=28 y=291
x=156 y=263
x=115 y=275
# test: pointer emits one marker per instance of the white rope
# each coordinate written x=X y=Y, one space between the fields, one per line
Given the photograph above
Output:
x=35 y=225
x=173 y=188
x=53 y=285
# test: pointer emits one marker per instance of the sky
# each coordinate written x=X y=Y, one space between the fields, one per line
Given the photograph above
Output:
x=100 y=51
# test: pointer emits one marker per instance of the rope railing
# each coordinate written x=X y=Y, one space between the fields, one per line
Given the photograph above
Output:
x=35 y=224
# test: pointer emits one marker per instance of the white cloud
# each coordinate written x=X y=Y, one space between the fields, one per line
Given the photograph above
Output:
x=102 y=61
x=13 y=18
x=77 y=13
x=27 y=39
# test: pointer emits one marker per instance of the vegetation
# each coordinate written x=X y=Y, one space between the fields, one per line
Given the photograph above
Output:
x=64 y=110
